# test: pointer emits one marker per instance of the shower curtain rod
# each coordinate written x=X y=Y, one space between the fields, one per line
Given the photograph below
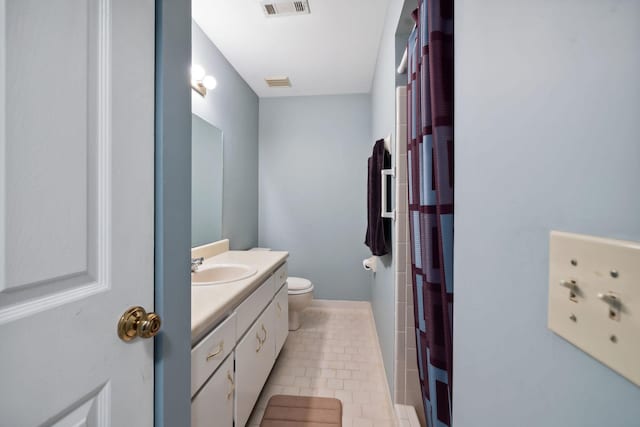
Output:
x=402 y=68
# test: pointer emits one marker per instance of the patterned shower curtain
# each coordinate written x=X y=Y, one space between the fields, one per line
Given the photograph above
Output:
x=430 y=172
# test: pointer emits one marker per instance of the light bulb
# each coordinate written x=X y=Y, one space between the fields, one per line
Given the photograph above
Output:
x=197 y=73
x=209 y=82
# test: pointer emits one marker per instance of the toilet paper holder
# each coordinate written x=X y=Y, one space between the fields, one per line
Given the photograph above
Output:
x=370 y=264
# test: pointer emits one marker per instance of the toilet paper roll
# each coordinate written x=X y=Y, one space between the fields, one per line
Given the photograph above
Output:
x=370 y=263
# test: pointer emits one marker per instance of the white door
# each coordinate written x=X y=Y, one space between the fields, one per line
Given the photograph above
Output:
x=76 y=210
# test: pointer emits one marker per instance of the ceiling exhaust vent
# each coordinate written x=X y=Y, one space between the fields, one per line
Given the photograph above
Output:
x=278 y=82
x=284 y=8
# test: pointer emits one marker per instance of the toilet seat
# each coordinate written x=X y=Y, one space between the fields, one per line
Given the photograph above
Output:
x=298 y=285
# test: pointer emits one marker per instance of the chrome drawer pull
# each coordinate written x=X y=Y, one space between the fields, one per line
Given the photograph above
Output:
x=217 y=352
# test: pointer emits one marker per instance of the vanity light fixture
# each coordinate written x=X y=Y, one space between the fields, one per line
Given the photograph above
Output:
x=200 y=82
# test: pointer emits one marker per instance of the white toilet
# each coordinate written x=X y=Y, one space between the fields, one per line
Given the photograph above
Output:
x=300 y=297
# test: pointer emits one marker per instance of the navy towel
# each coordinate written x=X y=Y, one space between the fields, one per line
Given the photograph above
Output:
x=378 y=229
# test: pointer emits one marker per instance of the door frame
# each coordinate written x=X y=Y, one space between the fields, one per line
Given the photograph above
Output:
x=172 y=350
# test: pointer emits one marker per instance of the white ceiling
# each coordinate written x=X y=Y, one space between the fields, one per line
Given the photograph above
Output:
x=333 y=50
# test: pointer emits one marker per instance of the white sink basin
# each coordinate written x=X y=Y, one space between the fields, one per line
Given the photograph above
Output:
x=222 y=273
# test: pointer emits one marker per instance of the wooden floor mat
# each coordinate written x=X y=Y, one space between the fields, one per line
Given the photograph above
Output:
x=302 y=411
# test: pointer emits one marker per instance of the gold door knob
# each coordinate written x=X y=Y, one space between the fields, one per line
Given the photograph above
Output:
x=136 y=322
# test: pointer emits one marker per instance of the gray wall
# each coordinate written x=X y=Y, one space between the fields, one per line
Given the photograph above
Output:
x=383 y=113
x=313 y=181
x=547 y=108
x=172 y=346
x=233 y=108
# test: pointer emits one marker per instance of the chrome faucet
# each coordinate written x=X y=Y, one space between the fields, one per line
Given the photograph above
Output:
x=195 y=263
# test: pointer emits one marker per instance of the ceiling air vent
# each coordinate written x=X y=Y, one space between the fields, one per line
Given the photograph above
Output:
x=283 y=8
x=278 y=82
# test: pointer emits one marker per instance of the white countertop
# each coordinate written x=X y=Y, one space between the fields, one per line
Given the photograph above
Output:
x=210 y=304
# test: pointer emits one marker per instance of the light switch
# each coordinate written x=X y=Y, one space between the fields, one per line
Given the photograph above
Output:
x=594 y=298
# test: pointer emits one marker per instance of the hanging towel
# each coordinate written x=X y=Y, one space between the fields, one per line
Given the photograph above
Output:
x=378 y=229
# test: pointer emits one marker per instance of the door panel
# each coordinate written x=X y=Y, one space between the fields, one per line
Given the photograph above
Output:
x=76 y=209
x=41 y=136
x=90 y=412
x=56 y=145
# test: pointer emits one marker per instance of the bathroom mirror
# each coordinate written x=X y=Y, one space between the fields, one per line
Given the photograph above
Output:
x=206 y=182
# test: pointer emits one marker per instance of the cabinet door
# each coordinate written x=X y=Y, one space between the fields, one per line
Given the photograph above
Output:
x=213 y=405
x=255 y=355
x=211 y=352
x=250 y=309
x=281 y=303
x=281 y=274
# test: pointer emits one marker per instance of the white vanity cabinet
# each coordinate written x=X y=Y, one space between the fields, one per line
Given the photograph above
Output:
x=250 y=339
x=213 y=405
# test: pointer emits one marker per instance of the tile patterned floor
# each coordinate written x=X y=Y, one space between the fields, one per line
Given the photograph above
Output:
x=334 y=354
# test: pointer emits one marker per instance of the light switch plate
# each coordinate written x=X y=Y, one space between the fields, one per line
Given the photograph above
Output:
x=594 y=298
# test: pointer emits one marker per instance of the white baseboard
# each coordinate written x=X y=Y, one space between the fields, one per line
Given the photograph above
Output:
x=354 y=305
x=407 y=416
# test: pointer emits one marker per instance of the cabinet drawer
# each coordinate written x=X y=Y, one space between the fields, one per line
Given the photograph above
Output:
x=213 y=405
x=249 y=310
x=255 y=355
x=280 y=276
x=281 y=303
x=211 y=351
